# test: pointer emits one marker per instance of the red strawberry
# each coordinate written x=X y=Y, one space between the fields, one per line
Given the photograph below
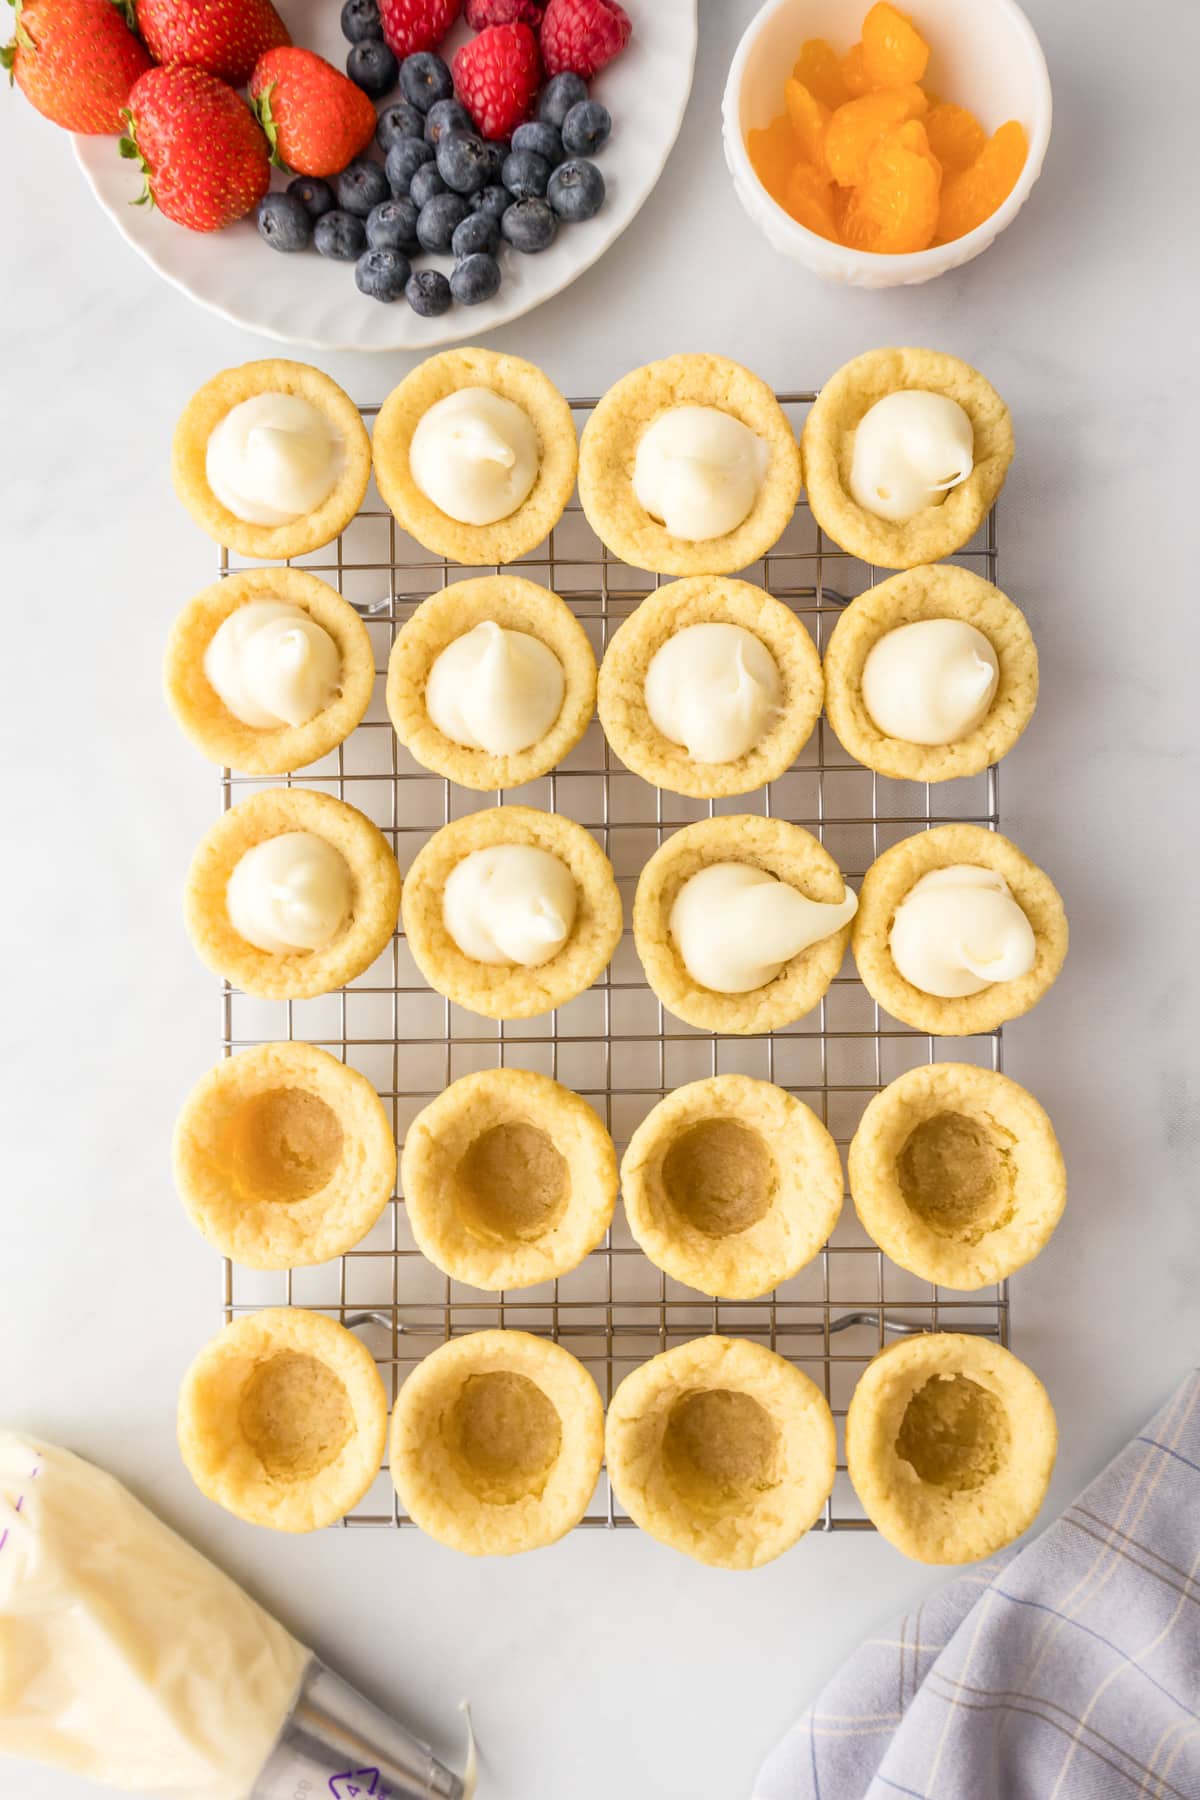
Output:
x=205 y=159
x=583 y=35
x=226 y=37
x=410 y=25
x=496 y=76
x=75 y=60
x=315 y=119
x=479 y=14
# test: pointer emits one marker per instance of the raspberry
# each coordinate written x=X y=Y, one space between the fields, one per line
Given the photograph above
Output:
x=583 y=35
x=479 y=14
x=496 y=77
x=411 y=25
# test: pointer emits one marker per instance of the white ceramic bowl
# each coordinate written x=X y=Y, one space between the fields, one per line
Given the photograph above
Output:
x=984 y=56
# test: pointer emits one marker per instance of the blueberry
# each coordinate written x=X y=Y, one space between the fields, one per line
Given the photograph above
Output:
x=372 y=67
x=314 y=195
x=360 y=186
x=477 y=234
x=525 y=174
x=558 y=97
x=494 y=201
x=382 y=274
x=494 y=154
x=425 y=184
x=463 y=161
x=446 y=115
x=541 y=138
x=428 y=293
x=360 y=19
x=283 y=222
x=437 y=219
x=425 y=78
x=576 y=190
x=475 y=278
x=529 y=226
x=404 y=159
x=340 y=235
x=585 y=128
x=399 y=120
x=392 y=225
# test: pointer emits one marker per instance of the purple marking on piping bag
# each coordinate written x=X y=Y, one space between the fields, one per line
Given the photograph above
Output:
x=358 y=1784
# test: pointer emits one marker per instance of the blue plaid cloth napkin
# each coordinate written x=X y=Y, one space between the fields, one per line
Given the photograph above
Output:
x=1068 y=1670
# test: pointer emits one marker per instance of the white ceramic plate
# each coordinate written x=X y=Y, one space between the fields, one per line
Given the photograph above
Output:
x=306 y=299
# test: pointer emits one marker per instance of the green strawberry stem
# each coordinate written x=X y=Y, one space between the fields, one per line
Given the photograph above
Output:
x=127 y=147
x=262 y=112
x=8 y=52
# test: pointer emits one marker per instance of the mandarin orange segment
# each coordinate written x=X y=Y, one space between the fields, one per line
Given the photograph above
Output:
x=895 y=210
x=856 y=127
x=773 y=150
x=809 y=199
x=970 y=197
x=810 y=120
x=854 y=73
x=894 y=52
x=819 y=67
x=955 y=136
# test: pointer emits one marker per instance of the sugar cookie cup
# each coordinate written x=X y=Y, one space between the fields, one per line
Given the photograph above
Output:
x=501 y=990
x=283 y=1419
x=283 y=1156
x=950 y=1443
x=204 y=412
x=509 y=1179
x=944 y=591
x=722 y=1450
x=375 y=894
x=517 y=605
x=496 y=1443
x=956 y=1174
x=731 y=1185
x=892 y=876
x=513 y=379
x=786 y=851
x=199 y=710
x=707 y=600
x=827 y=449
x=608 y=448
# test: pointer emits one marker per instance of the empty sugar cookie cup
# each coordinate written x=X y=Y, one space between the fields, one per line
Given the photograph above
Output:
x=874 y=488
x=291 y=893
x=496 y=1443
x=950 y=1443
x=968 y=686
x=509 y=709
x=283 y=1156
x=721 y=1449
x=689 y=467
x=509 y=1179
x=742 y=702
x=731 y=1185
x=272 y=459
x=956 y=1174
x=268 y=671
x=503 y=496
x=957 y=931
x=283 y=1419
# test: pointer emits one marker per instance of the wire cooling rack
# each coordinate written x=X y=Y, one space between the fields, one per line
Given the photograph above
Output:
x=613 y=1044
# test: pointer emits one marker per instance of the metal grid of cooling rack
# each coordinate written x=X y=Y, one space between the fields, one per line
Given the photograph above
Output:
x=613 y=1044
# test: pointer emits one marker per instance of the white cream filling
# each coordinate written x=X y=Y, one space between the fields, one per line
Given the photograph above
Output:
x=699 y=471
x=496 y=690
x=475 y=454
x=271 y=665
x=291 y=892
x=715 y=689
x=272 y=459
x=959 y=930
x=930 y=682
x=735 y=926
x=910 y=449
x=511 y=904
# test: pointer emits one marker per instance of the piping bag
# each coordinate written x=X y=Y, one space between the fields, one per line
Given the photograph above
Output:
x=129 y=1658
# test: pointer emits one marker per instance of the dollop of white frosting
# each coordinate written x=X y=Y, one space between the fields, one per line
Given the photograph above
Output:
x=510 y=904
x=930 y=682
x=289 y=893
x=496 y=690
x=698 y=471
x=475 y=455
x=910 y=449
x=270 y=665
x=273 y=458
x=715 y=689
x=735 y=926
x=959 y=930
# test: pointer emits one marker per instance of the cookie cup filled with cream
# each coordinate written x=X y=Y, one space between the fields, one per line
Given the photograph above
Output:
x=957 y=931
x=710 y=687
x=272 y=459
x=475 y=454
x=268 y=671
x=741 y=923
x=491 y=682
x=930 y=676
x=904 y=454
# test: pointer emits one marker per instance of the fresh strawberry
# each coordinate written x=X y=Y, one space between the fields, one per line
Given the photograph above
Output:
x=496 y=76
x=583 y=35
x=479 y=14
x=75 y=60
x=226 y=37
x=315 y=119
x=205 y=160
x=410 y=25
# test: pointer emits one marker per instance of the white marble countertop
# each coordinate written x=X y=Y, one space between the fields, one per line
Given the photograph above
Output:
x=608 y=1665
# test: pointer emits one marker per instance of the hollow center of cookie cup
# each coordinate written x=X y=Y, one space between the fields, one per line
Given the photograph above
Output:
x=512 y=1183
x=720 y=1450
x=719 y=1177
x=295 y=1415
x=956 y=1175
x=503 y=1435
x=284 y=1145
x=954 y=1433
